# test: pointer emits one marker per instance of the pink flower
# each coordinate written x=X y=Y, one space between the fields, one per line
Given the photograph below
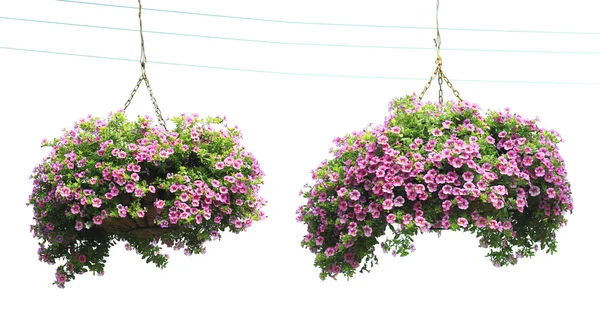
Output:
x=319 y=240
x=82 y=258
x=387 y=204
x=436 y=132
x=349 y=257
x=61 y=278
x=329 y=251
x=500 y=189
x=97 y=220
x=463 y=222
x=502 y=134
x=159 y=203
x=420 y=222
x=391 y=218
x=534 y=191
x=219 y=165
x=540 y=171
x=65 y=192
x=551 y=192
x=141 y=213
x=238 y=223
x=75 y=209
x=184 y=197
x=96 y=202
x=395 y=130
x=367 y=231
x=481 y=222
x=129 y=188
x=382 y=140
x=78 y=225
x=490 y=139
x=354 y=195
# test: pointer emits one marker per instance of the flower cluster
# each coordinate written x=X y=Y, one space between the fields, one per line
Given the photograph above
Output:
x=434 y=166
x=115 y=180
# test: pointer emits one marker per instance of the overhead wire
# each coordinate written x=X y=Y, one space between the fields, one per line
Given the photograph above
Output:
x=333 y=24
x=296 y=43
x=293 y=73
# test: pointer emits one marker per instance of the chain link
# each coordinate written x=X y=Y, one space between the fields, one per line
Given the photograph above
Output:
x=440 y=80
x=428 y=84
x=454 y=91
x=159 y=117
x=137 y=86
x=438 y=70
x=144 y=78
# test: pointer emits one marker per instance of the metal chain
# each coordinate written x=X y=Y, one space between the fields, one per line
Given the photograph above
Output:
x=452 y=87
x=438 y=70
x=144 y=77
x=428 y=84
x=440 y=80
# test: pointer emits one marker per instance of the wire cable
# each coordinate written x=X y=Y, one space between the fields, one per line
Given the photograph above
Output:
x=333 y=24
x=296 y=43
x=292 y=73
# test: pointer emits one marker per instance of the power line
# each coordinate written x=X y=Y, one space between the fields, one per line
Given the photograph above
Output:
x=296 y=43
x=292 y=73
x=334 y=24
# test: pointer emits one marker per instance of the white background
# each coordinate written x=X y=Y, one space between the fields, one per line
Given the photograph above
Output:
x=289 y=122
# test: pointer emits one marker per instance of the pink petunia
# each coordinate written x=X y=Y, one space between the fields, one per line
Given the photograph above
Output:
x=534 y=191
x=65 y=192
x=367 y=230
x=97 y=220
x=96 y=202
x=481 y=222
x=387 y=204
x=391 y=218
x=420 y=221
x=463 y=222
x=354 y=195
x=329 y=251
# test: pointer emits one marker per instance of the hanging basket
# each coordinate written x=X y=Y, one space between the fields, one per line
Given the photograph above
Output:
x=436 y=166
x=118 y=180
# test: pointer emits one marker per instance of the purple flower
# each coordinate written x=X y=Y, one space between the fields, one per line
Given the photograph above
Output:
x=329 y=251
x=367 y=230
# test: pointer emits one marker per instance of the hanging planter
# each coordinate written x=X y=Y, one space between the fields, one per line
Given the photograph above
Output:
x=115 y=180
x=110 y=180
x=432 y=167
